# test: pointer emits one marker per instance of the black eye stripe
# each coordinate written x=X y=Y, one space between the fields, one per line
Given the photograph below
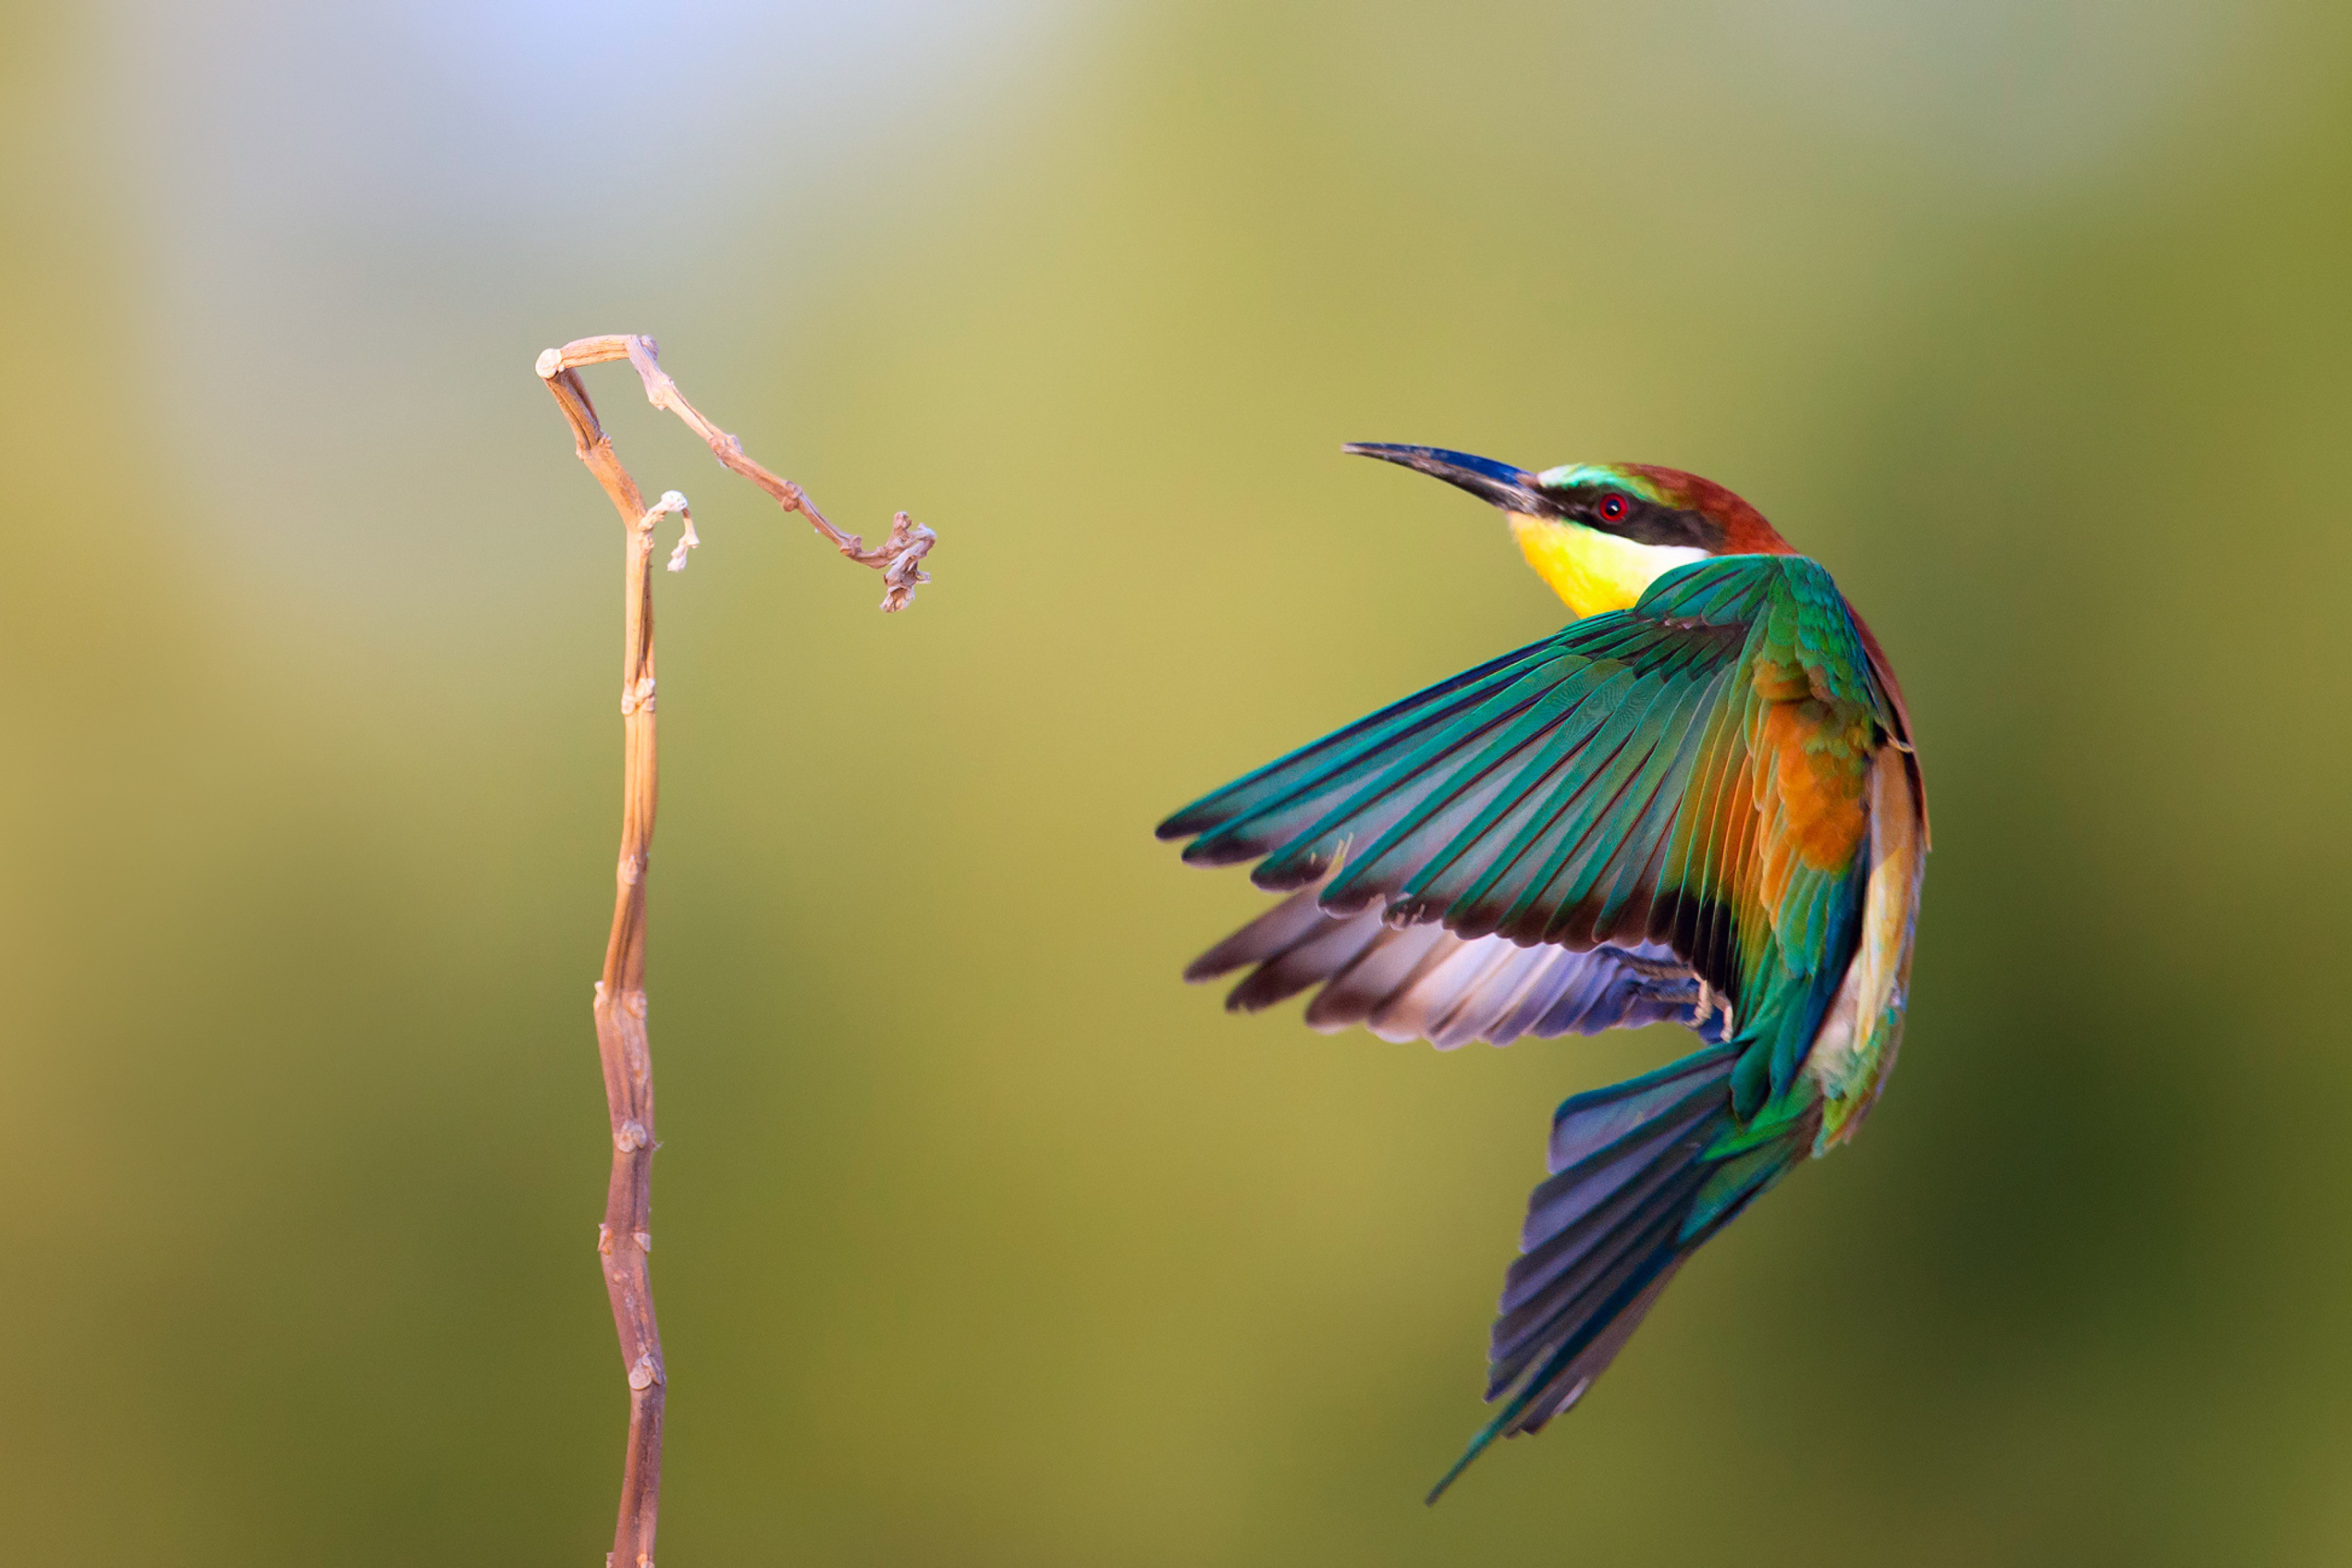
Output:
x=1641 y=521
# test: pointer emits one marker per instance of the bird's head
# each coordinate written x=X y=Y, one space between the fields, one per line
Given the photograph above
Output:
x=1599 y=533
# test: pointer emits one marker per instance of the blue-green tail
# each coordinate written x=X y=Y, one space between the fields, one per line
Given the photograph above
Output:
x=1643 y=1172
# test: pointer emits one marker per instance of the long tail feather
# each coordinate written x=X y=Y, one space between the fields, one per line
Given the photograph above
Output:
x=1643 y=1173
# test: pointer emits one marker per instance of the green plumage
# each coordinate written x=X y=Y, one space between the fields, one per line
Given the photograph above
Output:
x=1591 y=787
x=1687 y=778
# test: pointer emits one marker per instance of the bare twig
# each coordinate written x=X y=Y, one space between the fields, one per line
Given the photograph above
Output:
x=899 y=558
x=625 y=1237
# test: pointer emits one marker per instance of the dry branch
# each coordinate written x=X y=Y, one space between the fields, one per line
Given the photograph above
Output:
x=899 y=558
x=625 y=1237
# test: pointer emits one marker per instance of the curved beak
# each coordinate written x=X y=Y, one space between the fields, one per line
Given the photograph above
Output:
x=1513 y=490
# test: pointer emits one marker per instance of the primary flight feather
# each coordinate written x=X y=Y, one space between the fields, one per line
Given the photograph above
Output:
x=1698 y=802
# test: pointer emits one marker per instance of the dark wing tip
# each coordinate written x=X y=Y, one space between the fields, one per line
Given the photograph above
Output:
x=1218 y=850
x=1284 y=874
x=1187 y=821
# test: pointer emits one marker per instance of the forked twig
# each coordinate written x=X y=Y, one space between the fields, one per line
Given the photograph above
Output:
x=625 y=1237
x=899 y=558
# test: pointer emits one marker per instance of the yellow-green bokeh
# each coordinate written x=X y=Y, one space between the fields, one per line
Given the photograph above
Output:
x=980 y=1239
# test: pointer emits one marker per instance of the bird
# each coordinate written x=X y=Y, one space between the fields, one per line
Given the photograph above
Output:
x=1698 y=802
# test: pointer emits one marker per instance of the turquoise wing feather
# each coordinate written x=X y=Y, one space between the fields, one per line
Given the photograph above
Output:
x=1601 y=786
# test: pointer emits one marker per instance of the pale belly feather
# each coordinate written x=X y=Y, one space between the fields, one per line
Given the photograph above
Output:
x=1854 y=1049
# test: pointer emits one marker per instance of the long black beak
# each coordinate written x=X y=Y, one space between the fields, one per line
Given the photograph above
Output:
x=1513 y=490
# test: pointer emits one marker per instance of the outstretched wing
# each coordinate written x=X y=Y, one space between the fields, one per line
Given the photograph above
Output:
x=1686 y=775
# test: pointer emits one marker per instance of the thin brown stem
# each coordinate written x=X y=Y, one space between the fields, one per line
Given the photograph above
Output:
x=625 y=1237
x=899 y=558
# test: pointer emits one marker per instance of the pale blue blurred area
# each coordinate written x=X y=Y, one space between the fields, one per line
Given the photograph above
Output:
x=980 y=1238
x=378 y=202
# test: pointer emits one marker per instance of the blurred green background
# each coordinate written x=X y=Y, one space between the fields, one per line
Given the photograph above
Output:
x=981 y=1239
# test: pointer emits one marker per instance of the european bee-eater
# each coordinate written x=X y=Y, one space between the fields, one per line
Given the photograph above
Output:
x=1698 y=802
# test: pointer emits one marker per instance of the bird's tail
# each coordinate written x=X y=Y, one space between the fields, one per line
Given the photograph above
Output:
x=1643 y=1171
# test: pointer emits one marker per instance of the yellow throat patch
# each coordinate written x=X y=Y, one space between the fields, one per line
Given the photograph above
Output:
x=1594 y=572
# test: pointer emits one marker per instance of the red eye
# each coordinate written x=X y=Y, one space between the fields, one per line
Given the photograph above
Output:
x=1614 y=507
